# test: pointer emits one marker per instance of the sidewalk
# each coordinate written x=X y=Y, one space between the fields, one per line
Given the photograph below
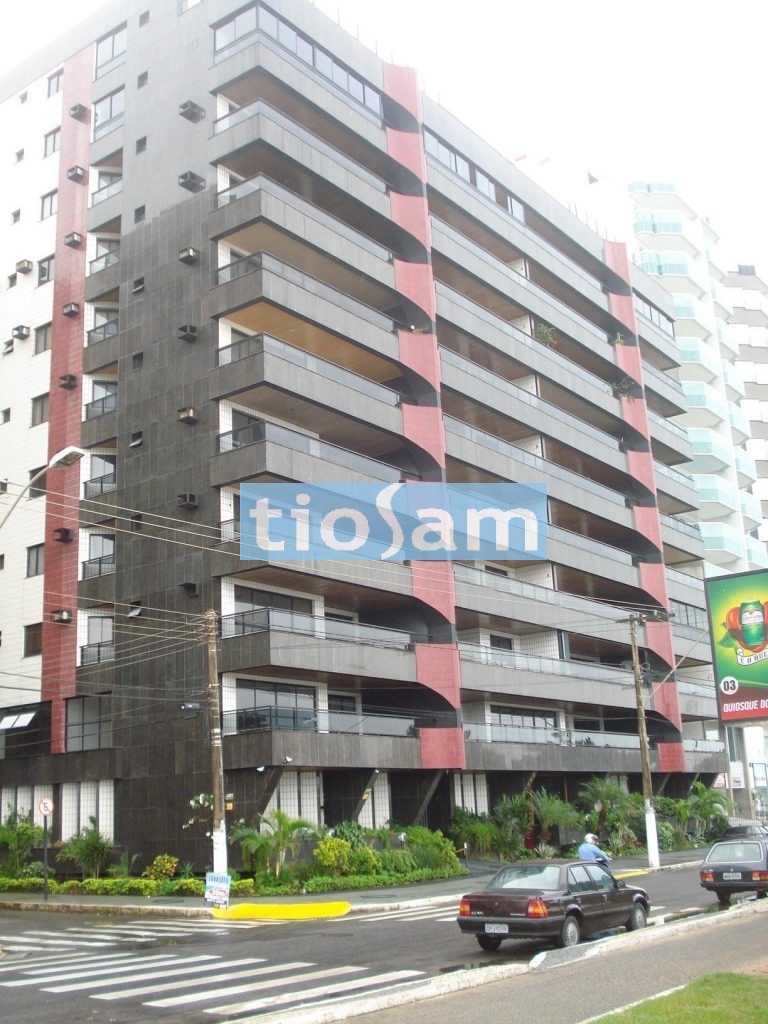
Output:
x=362 y=900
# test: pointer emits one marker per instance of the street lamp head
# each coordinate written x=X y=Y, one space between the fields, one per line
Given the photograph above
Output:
x=66 y=457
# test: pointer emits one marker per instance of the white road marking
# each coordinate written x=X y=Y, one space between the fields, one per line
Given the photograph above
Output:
x=177 y=984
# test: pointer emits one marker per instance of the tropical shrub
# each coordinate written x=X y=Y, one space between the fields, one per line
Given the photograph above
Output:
x=88 y=849
x=275 y=836
x=123 y=866
x=397 y=862
x=363 y=861
x=163 y=866
x=333 y=855
x=352 y=831
x=18 y=835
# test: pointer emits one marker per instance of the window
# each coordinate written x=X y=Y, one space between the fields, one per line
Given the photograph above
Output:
x=55 y=82
x=45 y=270
x=108 y=112
x=33 y=640
x=143 y=19
x=37 y=490
x=137 y=439
x=501 y=643
x=19 y=155
x=137 y=360
x=43 y=336
x=39 y=410
x=15 y=216
x=52 y=142
x=109 y=49
x=139 y=214
x=2 y=561
x=89 y=725
x=48 y=204
x=602 y=879
x=23 y=97
x=263 y=705
x=5 y=415
x=7 y=347
x=141 y=144
x=35 y=560
x=530 y=718
x=142 y=79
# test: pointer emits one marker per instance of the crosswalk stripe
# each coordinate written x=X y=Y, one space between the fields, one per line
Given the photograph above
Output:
x=170 y=970
x=59 y=958
x=70 y=960
x=191 y=982
x=83 y=970
x=233 y=990
x=30 y=937
x=269 y=1002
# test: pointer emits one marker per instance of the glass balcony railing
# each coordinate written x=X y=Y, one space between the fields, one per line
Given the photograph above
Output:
x=704 y=746
x=269 y=718
x=544 y=666
x=690 y=529
x=751 y=507
x=102 y=332
x=101 y=406
x=112 y=188
x=98 y=567
x=259 y=431
x=485 y=733
x=757 y=553
x=721 y=537
x=108 y=259
x=739 y=421
x=706 y=443
x=701 y=396
x=745 y=464
x=711 y=488
x=258 y=343
x=261 y=620
x=693 y=350
x=100 y=485
x=105 y=127
x=667 y=424
x=96 y=654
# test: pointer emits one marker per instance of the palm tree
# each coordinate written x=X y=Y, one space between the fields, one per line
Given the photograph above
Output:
x=511 y=818
x=706 y=804
x=284 y=834
x=550 y=810
x=605 y=797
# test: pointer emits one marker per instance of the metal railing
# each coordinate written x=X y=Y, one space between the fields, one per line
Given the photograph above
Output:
x=106 y=191
x=101 y=566
x=96 y=654
x=260 y=620
x=100 y=485
x=108 y=259
x=106 y=330
x=100 y=406
x=491 y=733
x=544 y=666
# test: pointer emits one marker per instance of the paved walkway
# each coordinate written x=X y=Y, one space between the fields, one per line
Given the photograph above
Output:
x=362 y=900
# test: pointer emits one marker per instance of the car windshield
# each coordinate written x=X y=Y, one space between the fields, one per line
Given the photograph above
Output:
x=726 y=853
x=527 y=876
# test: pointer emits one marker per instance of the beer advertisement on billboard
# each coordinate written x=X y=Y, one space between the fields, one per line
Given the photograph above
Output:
x=737 y=607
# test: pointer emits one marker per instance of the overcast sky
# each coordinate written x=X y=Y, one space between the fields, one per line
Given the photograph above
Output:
x=671 y=89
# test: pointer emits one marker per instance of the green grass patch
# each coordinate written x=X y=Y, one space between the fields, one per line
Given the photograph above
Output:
x=735 y=998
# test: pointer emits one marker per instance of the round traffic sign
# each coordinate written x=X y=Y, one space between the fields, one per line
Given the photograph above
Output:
x=45 y=806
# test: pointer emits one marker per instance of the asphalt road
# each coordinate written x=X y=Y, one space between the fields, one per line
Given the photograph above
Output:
x=60 y=967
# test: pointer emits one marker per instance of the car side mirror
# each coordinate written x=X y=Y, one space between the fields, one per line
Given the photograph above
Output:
x=621 y=885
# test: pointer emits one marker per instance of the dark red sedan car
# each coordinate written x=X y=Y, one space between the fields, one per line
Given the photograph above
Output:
x=556 y=901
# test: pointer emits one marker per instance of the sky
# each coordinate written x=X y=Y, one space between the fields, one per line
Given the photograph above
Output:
x=666 y=89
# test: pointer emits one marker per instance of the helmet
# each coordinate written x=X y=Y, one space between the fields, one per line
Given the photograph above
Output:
x=590 y=837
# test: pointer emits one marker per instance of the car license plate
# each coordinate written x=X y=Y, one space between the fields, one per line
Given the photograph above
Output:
x=497 y=929
x=731 y=876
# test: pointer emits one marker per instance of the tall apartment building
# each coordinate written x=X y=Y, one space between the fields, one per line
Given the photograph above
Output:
x=245 y=249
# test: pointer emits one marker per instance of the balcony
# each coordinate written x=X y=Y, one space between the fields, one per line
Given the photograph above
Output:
x=746 y=470
x=241 y=459
x=101 y=333
x=268 y=719
x=99 y=485
x=710 y=452
x=700 y=361
x=751 y=510
x=95 y=567
x=723 y=544
x=97 y=654
x=705 y=406
x=716 y=498
x=756 y=553
x=557 y=737
x=734 y=382
x=106 y=192
x=526 y=663
x=101 y=406
x=108 y=259
x=740 y=428
x=258 y=620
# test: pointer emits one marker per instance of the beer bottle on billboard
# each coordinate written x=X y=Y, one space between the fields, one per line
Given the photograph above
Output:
x=752 y=622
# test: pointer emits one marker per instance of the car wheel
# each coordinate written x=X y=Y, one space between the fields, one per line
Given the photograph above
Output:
x=488 y=942
x=570 y=933
x=637 y=918
x=762 y=894
x=724 y=898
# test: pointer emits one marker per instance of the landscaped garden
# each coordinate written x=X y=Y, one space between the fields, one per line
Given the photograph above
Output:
x=283 y=856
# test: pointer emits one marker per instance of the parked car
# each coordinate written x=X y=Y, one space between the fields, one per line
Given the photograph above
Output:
x=553 y=901
x=736 y=865
x=737 y=831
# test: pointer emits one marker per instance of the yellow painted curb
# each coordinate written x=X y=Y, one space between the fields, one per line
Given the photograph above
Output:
x=281 y=911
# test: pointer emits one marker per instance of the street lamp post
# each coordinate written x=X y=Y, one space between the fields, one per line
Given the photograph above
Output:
x=66 y=457
x=651 y=834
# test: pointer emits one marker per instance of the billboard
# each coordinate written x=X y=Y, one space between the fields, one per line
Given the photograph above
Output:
x=737 y=606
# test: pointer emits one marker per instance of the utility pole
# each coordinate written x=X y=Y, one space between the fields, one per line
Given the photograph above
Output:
x=651 y=834
x=219 y=831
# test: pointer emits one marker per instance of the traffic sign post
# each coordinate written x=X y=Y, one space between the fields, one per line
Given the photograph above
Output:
x=45 y=806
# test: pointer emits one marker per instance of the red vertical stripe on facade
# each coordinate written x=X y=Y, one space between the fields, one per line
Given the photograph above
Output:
x=65 y=406
x=647 y=522
x=442 y=748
